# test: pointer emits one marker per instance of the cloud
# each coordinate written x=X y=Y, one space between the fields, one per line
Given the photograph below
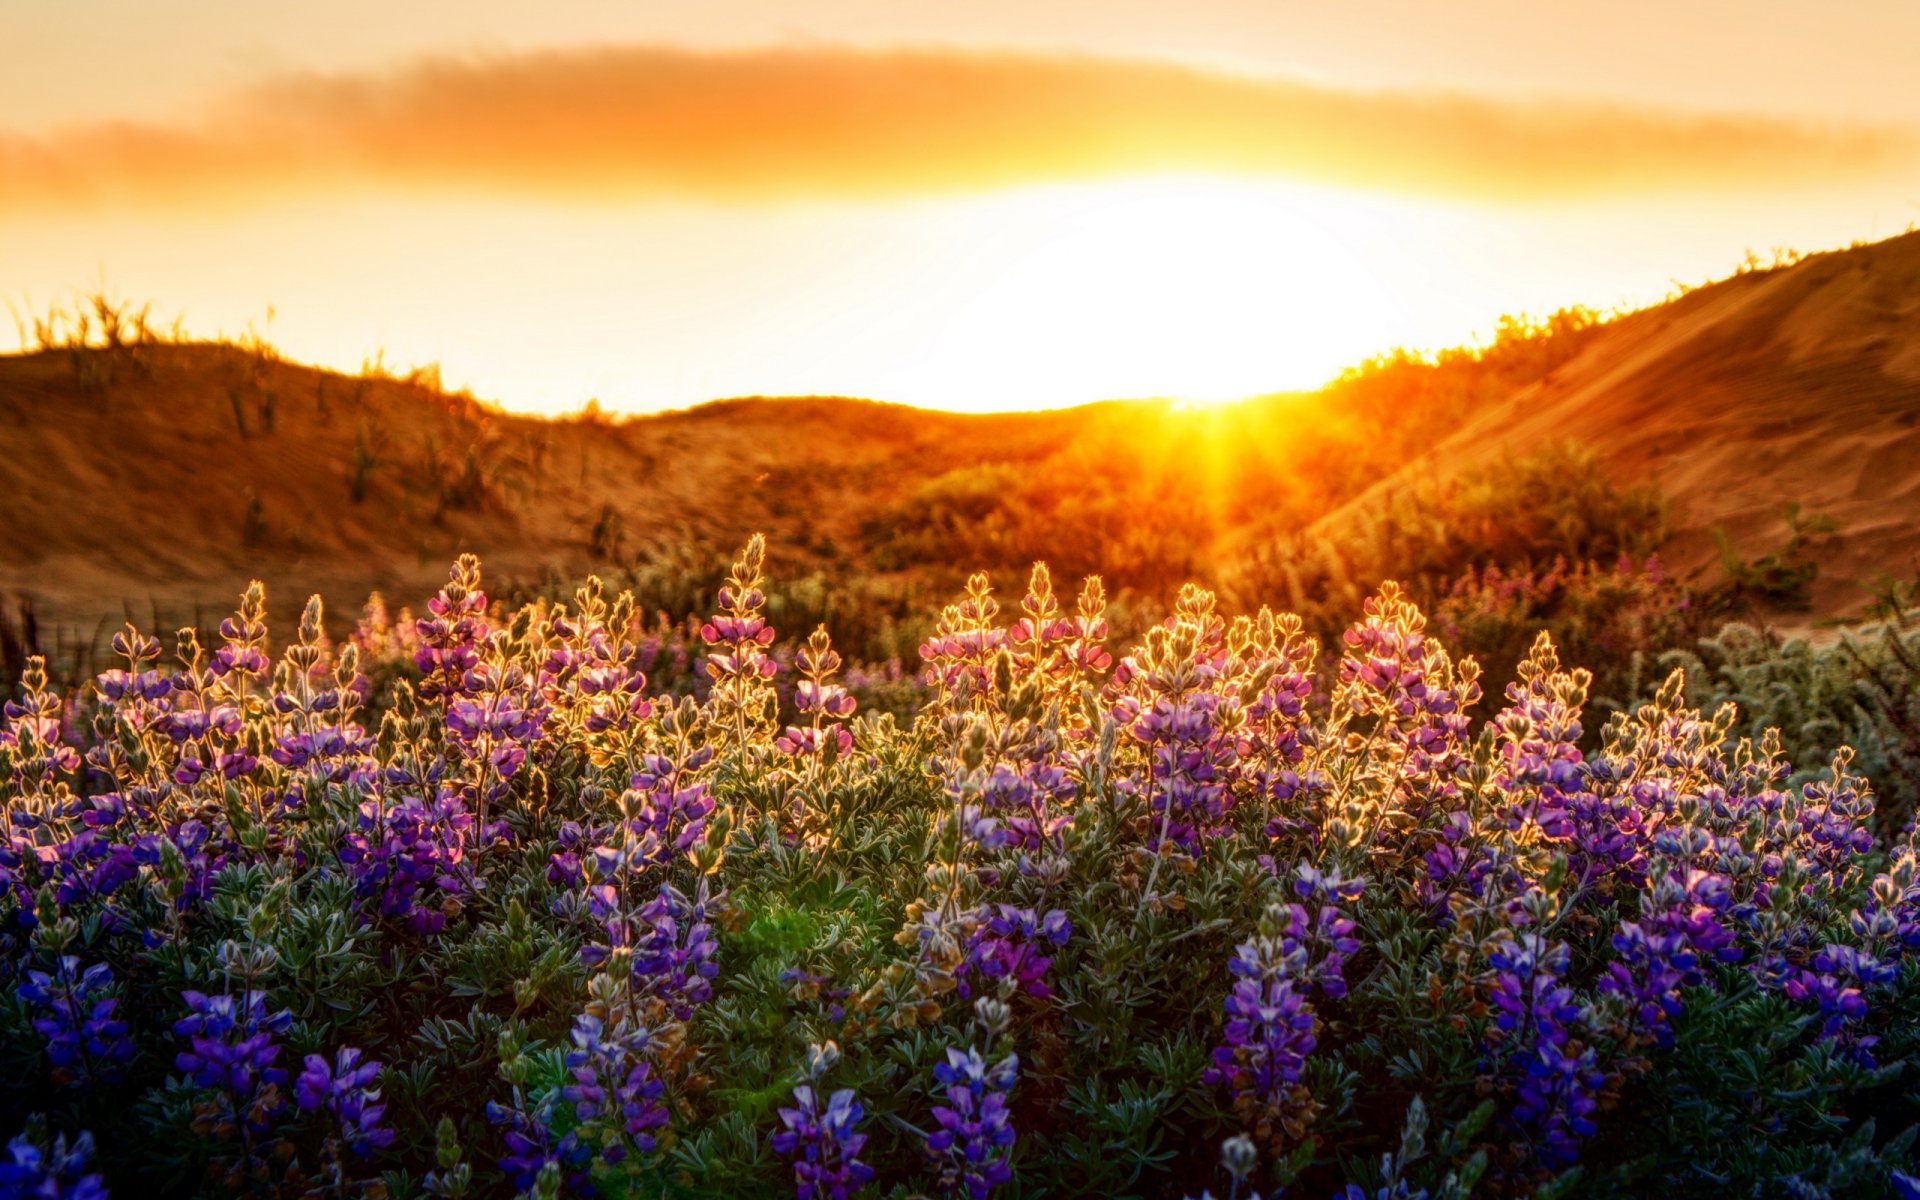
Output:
x=799 y=123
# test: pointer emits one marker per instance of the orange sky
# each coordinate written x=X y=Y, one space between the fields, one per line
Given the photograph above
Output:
x=981 y=206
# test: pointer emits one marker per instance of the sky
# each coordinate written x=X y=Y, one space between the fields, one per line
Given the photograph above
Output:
x=979 y=206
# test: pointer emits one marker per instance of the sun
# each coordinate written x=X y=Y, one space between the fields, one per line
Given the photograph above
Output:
x=1198 y=289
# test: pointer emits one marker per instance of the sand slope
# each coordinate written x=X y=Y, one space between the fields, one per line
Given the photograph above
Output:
x=1798 y=384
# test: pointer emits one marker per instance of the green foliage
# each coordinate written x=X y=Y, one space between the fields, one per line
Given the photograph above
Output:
x=1858 y=686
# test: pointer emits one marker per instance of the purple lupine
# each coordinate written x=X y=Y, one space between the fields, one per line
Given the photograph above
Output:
x=57 y=1171
x=675 y=955
x=85 y=1042
x=1270 y=1027
x=1060 y=651
x=1835 y=819
x=1890 y=919
x=1391 y=668
x=671 y=801
x=737 y=637
x=1678 y=932
x=611 y=1083
x=493 y=723
x=530 y=1146
x=1540 y=760
x=232 y=1051
x=87 y=866
x=589 y=667
x=1189 y=758
x=822 y=1143
x=314 y=728
x=33 y=817
x=960 y=653
x=406 y=854
x=1834 y=982
x=974 y=1142
x=824 y=703
x=1456 y=864
x=1321 y=928
x=1279 y=729
x=1176 y=702
x=1010 y=943
x=345 y=1089
x=184 y=859
x=450 y=638
x=1554 y=1074
x=1028 y=795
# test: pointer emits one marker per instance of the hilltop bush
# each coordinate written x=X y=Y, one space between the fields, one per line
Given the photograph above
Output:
x=1861 y=687
x=467 y=905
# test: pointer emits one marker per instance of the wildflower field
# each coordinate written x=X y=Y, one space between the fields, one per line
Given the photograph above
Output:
x=547 y=901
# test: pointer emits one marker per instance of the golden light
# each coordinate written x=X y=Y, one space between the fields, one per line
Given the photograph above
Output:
x=1196 y=288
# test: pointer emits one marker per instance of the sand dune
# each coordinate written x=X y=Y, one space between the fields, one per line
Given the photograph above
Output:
x=1795 y=385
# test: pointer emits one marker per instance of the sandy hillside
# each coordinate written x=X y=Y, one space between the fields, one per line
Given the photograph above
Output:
x=1797 y=384
x=158 y=493
x=136 y=500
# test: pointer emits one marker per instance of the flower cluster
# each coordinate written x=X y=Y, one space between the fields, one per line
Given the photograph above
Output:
x=1008 y=949
x=75 y=1008
x=232 y=1051
x=1270 y=1027
x=1176 y=703
x=823 y=702
x=1538 y=1024
x=1668 y=948
x=821 y=1138
x=611 y=1086
x=974 y=1138
x=410 y=854
x=345 y=1089
x=631 y=861
x=58 y=1171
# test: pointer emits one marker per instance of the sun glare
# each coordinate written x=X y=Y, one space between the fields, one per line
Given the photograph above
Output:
x=1191 y=288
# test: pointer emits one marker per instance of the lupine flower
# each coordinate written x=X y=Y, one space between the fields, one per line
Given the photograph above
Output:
x=737 y=660
x=1176 y=703
x=1060 y=651
x=1554 y=1073
x=1008 y=943
x=960 y=654
x=675 y=958
x=1540 y=762
x=450 y=638
x=1321 y=929
x=345 y=1089
x=32 y=1168
x=1835 y=984
x=233 y=1052
x=673 y=798
x=85 y=1042
x=1270 y=1028
x=1679 y=930
x=612 y=1082
x=407 y=854
x=974 y=1141
x=824 y=703
x=822 y=1144
x=530 y=1146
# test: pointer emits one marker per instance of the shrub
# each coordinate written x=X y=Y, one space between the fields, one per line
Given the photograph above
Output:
x=473 y=904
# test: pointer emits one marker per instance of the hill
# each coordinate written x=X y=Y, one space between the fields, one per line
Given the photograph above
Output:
x=153 y=480
x=1796 y=386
